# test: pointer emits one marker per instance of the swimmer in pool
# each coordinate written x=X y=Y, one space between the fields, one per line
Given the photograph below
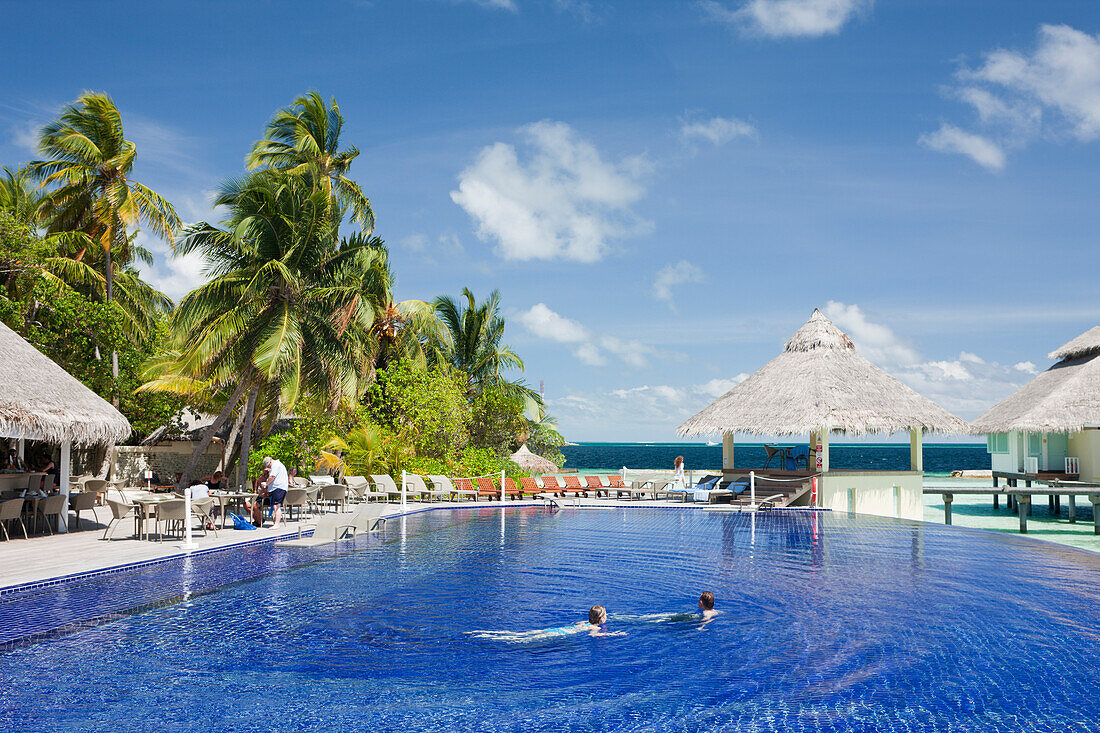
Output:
x=597 y=620
x=706 y=607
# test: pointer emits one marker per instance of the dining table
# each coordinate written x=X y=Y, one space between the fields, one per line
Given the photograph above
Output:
x=227 y=499
x=146 y=510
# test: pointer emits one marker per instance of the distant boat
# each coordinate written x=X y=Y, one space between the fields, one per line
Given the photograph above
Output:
x=713 y=442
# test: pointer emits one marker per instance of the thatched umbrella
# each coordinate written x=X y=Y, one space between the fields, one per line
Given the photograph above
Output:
x=42 y=401
x=1063 y=399
x=529 y=461
x=820 y=383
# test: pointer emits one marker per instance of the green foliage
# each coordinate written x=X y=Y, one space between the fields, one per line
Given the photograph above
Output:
x=369 y=449
x=496 y=420
x=427 y=405
x=546 y=442
x=79 y=334
x=483 y=461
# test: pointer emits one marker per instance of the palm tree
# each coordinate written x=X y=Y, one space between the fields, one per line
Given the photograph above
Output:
x=280 y=298
x=471 y=340
x=20 y=197
x=304 y=138
x=90 y=162
x=399 y=329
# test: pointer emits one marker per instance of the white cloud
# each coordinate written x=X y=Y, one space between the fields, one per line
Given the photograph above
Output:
x=1027 y=367
x=563 y=202
x=967 y=384
x=788 y=18
x=717 y=130
x=416 y=242
x=1048 y=92
x=670 y=276
x=718 y=387
x=493 y=4
x=24 y=137
x=446 y=246
x=875 y=341
x=545 y=323
x=590 y=354
x=632 y=352
x=950 y=139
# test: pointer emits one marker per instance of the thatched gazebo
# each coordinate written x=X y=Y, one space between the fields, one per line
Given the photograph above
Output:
x=821 y=385
x=529 y=461
x=41 y=401
x=1052 y=418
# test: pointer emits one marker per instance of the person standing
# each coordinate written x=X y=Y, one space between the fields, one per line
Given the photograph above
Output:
x=277 y=484
x=679 y=477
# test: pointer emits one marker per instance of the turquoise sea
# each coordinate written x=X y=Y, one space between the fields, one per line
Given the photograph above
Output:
x=939 y=458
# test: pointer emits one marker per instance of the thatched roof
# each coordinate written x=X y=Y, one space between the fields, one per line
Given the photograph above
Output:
x=41 y=401
x=1086 y=343
x=821 y=383
x=1064 y=398
x=529 y=461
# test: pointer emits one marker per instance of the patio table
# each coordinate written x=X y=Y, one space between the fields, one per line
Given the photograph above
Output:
x=147 y=509
x=226 y=499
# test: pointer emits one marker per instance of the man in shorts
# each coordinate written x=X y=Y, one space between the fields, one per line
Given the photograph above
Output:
x=277 y=483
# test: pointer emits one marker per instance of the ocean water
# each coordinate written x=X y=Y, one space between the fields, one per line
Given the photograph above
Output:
x=460 y=621
x=939 y=458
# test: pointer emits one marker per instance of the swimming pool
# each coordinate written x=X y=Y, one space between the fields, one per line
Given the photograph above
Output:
x=830 y=622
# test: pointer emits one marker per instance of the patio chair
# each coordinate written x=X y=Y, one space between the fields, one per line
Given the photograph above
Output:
x=417 y=486
x=444 y=483
x=10 y=510
x=119 y=511
x=800 y=453
x=299 y=482
x=296 y=498
x=772 y=451
x=487 y=487
x=204 y=509
x=97 y=486
x=52 y=506
x=336 y=494
x=47 y=484
x=593 y=483
x=321 y=480
x=82 y=502
x=385 y=484
x=173 y=513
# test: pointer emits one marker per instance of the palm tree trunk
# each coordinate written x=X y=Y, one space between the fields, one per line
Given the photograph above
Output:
x=231 y=444
x=114 y=352
x=246 y=436
x=208 y=437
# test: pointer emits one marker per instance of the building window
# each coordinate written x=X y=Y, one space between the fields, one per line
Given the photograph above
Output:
x=997 y=442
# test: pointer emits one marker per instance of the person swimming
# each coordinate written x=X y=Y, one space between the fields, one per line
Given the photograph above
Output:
x=594 y=626
x=706 y=607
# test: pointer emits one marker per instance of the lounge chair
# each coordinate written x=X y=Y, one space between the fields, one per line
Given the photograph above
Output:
x=615 y=483
x=572 y=483
x=465 y=486
x=363 y=488
x=530 y=486
x=384 y=483
x=487 y=487
x=417 y=486
x=550 y=485
x=707 y=484
x=654 y=485
x=512 y=489
x=332 y=527
x=321 y=480
x=443 y=483
x=593 y=483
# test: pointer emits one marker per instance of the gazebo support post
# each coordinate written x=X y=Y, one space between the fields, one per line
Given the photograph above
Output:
x=824 y=451
x=727 y=450
x=916 y=450
x=63 y=483
x=20 y=450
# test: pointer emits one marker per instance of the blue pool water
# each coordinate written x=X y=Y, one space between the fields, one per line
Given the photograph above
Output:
x=830 y=622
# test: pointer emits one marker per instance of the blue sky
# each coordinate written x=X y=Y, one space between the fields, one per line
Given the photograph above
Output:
x=662 y=191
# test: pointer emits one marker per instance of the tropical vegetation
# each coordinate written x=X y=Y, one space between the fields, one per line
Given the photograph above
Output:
x=295 y=343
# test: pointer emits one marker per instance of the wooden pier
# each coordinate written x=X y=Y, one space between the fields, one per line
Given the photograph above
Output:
x=1020 y=499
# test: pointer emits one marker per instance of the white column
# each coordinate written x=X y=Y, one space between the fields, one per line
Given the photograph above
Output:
x=188 y=539
x=404 y=489
x=916 y=450
x=19 y=451
x=63 y=484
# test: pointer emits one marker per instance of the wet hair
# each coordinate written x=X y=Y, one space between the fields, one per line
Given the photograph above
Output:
x=679 y=461
x=597 y=615
x=706 y=600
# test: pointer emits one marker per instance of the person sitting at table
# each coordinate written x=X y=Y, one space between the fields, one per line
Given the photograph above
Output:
x=215 y=481
x=50 y=468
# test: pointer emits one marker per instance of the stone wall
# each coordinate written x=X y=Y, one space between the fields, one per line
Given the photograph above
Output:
x=164 y=459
